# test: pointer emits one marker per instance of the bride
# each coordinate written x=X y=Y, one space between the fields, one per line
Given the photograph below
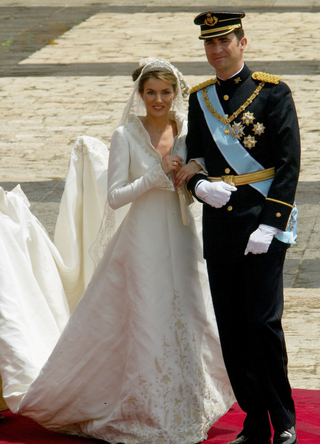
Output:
x=139 y=359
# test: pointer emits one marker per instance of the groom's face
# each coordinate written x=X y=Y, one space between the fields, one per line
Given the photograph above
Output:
x=225 y=54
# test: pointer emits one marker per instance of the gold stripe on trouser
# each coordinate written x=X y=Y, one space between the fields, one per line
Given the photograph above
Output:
x=245 y=179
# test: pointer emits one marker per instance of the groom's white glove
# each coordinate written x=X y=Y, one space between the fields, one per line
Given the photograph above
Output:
x=215 y=194
x=260 y=240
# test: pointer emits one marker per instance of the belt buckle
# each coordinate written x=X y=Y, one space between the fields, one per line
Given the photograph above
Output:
x=228 y=179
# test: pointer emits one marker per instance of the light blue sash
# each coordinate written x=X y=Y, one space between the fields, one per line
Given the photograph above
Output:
x=239 y=158
x=231 y=149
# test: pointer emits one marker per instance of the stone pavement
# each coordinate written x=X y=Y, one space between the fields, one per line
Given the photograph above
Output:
x=65 y=71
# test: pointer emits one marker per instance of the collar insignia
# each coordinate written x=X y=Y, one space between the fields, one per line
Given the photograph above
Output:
x=237 y=80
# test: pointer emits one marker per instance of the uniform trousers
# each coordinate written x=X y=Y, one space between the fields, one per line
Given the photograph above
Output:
x=248 y=301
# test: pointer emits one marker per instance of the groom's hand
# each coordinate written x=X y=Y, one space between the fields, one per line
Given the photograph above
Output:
x=260 y=240
x=215 y=194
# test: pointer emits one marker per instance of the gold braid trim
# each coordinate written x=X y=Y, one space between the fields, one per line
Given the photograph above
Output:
x=280 y=202
x=267 y=78
x=209 y=82
x=228 y=120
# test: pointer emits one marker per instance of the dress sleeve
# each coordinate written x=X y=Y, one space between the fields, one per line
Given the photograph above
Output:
x=286 y=151
x=120 y=191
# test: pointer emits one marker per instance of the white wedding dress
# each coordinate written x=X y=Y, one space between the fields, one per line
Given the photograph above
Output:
x=139 y=360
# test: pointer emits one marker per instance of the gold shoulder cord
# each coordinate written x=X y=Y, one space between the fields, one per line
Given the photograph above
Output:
x=209 y=82
x=236 y=113
x=267 y=78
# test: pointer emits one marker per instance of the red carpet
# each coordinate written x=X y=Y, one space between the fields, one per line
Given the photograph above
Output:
x=308 y=420
x=19 y=430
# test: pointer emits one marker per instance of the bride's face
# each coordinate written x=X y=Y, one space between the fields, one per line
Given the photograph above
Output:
x=158 y=96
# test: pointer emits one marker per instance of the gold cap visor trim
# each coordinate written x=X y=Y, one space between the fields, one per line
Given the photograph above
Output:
x=216 y=32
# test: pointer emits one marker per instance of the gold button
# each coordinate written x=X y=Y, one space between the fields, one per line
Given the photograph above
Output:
x=278 y=215
x=227 y=170
x=226 y=97
x=229 y=208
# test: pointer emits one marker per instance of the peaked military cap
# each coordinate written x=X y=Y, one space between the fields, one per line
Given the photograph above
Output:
x=215 y=24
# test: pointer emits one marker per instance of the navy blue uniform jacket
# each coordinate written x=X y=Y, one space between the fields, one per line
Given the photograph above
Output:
x=226 y=230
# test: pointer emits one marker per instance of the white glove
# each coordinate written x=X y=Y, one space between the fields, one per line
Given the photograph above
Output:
x=215 y=194
x=260 y=240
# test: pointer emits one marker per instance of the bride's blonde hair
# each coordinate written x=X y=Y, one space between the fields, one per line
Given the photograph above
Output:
x=156 y=74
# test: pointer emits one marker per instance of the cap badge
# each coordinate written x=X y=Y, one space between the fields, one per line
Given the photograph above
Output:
x=210 y=21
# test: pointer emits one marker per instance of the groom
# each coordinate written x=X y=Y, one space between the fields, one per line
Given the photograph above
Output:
x=245 y=126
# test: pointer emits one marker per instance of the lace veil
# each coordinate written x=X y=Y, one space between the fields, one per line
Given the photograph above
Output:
x=112 y=219
x=135 y=104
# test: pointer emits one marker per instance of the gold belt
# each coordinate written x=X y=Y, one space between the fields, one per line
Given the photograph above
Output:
x=245 y=179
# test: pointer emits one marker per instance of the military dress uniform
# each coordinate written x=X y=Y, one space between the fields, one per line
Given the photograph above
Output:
x=247 y=290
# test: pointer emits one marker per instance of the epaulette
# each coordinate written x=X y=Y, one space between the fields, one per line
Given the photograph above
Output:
x=196 y=88
x=267 y=78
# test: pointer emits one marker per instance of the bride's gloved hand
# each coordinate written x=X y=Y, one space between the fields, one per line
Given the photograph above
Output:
x=260 y=240
x=215 y=194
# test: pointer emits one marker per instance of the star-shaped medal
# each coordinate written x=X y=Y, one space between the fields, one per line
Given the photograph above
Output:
x=258 y=128
x=249 y=142
x=248 y=118
x=236 y=130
